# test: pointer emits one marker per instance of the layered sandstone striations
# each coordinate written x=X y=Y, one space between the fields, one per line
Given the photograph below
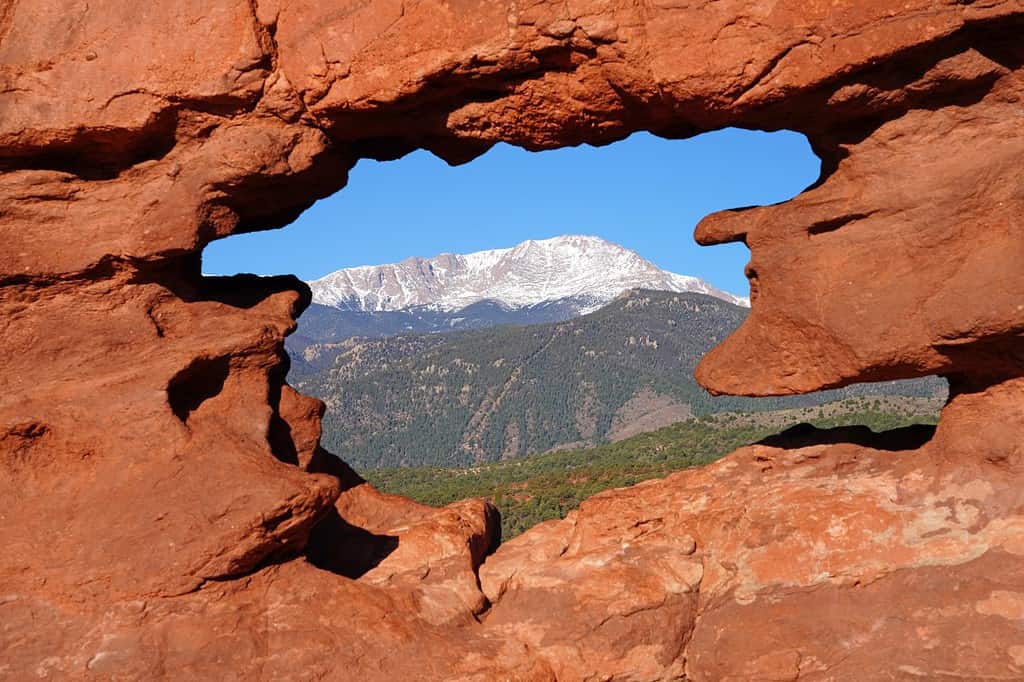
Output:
x=166 y=509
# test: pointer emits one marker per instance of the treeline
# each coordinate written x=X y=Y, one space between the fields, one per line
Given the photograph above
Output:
x=543 y=487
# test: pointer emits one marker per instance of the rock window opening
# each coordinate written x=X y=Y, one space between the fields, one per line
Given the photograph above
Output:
x=478 y=372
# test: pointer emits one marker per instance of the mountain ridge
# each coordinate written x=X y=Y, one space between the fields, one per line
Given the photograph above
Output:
x=588 y=269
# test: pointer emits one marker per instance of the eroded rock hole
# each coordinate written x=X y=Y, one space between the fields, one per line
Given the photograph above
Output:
x=203 y=379
x=899 y=439
x=537 y=403
x=343 y=548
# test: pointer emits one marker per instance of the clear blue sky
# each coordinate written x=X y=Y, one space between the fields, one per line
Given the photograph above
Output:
x=644 y=192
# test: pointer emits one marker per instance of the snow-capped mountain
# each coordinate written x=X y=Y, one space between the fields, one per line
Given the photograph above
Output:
x=588 y=270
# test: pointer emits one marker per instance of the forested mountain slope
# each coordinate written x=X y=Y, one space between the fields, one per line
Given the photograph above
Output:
x=503 y=392
x=313 y=346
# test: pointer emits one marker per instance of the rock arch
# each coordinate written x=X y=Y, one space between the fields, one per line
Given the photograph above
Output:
x=138 y=543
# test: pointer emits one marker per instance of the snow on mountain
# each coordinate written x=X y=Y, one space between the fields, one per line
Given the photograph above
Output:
x=589 y=270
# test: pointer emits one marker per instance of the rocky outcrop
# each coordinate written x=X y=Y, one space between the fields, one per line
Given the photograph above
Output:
x=166 y=510
x=817 y=555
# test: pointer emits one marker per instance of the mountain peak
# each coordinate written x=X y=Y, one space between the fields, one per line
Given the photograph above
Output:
x=575 y=240
x=586 y=268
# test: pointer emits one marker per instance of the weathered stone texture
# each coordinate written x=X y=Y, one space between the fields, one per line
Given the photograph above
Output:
x=165 y=509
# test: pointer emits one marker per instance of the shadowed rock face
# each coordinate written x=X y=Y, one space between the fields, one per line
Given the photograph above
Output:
x=167 y=511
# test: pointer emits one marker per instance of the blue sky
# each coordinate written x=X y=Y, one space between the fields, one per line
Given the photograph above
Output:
x=644 y=192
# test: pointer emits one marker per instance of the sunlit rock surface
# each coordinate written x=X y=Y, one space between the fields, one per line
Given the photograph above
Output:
x=167 y=512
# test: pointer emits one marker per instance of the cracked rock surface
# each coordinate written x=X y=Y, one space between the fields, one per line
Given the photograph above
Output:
x=167 y=511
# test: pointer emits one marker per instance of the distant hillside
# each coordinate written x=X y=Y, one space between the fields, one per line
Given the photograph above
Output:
x=504 y=392
x=321 y=326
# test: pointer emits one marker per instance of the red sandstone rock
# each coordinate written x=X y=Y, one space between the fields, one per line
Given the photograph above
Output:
x=938 y=193
x=803 y=561
x=430 y=554
x=167 y=511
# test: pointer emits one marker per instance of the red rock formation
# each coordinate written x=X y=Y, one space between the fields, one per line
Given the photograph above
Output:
x=166 y=509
